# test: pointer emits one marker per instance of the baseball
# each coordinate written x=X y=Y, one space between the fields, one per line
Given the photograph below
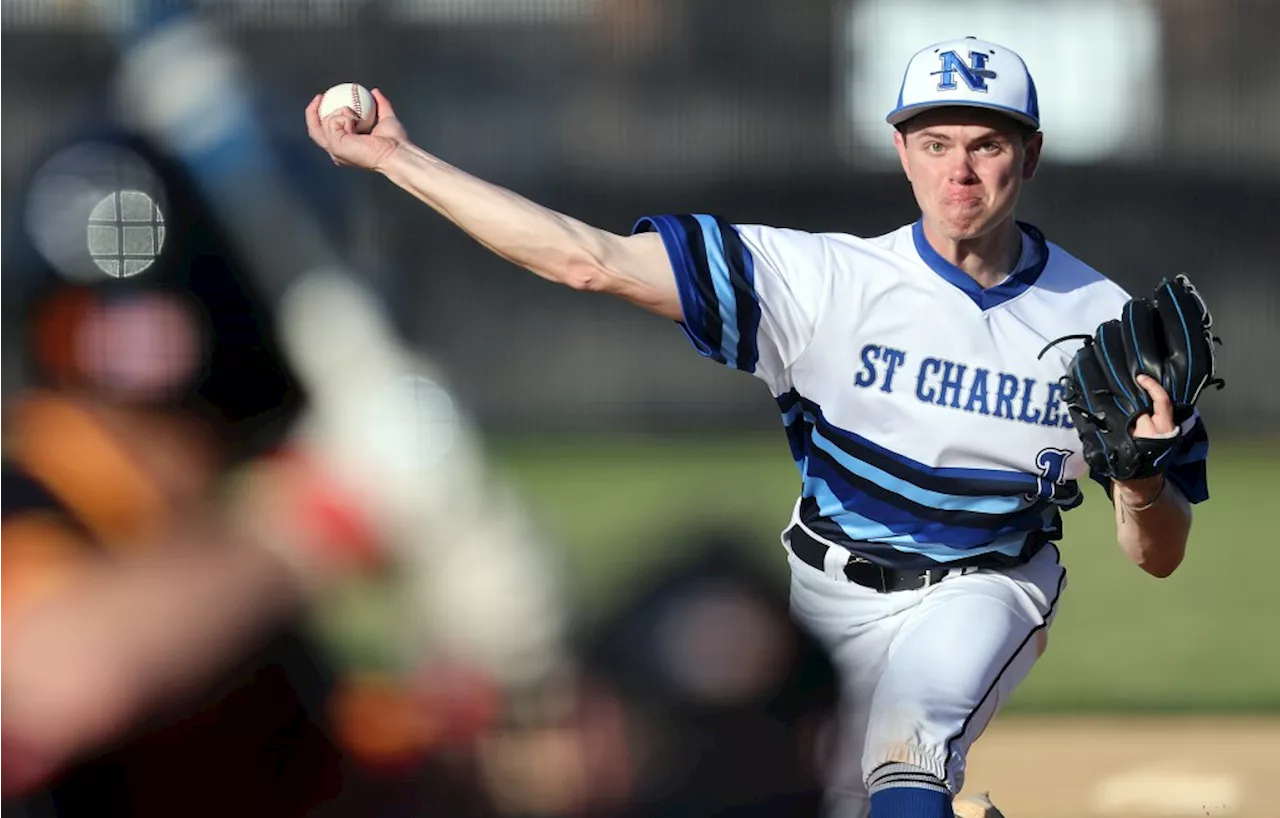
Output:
x=351 y=95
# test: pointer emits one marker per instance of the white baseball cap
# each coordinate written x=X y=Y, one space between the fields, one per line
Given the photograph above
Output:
x=970 y=73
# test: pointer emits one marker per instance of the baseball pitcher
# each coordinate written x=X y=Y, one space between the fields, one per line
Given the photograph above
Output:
x=938 y=429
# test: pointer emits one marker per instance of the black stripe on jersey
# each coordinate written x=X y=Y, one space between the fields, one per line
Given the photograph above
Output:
x=1013 y=520
x=943 y=484
x=890 y=557
x=710 y=330
x=798 y=432
x=742 y=278
x=958 y=484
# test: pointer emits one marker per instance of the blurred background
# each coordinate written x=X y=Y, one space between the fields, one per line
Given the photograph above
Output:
x=1162 y=155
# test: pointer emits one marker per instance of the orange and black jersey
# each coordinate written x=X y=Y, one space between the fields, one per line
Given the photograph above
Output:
x=256 y=743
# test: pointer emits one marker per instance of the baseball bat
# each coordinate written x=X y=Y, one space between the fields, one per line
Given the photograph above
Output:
x=485 y=590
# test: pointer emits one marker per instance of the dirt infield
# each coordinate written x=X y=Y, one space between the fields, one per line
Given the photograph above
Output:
x=1065 y=767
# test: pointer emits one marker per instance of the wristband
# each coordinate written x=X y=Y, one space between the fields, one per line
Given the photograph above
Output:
x=1164 y=481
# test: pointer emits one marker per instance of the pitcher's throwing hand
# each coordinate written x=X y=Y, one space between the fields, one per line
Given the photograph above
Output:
x=340 y=137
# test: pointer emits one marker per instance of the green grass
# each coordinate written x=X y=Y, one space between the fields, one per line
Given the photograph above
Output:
x=1204 y=639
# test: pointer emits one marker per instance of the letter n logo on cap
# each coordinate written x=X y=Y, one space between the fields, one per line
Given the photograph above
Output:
x=974 y=76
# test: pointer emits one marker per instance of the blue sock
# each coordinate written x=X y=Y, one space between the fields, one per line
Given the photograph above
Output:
x=910 y=802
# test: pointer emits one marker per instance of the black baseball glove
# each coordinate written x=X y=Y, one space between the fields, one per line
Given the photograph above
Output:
x=1166 y=337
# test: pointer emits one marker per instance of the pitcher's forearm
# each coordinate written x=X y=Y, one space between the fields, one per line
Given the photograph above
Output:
x=550 y=244
x=1152 y=532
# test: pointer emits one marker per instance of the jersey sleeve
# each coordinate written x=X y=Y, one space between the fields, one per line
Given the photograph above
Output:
x=1189 y=470
x=750 y=294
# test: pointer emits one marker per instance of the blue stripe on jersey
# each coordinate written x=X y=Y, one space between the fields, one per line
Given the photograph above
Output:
x=724 y=289
x=791 y=409
x=911 y=521
x=715 y=276
x=1011 y=545
x=854 y=525
x=1011 y=287
x=874 y=495
x=797 y=428
x=682 y=263
x=925 y=497
x=742 y=274
x=896 y=551
x=798 y=411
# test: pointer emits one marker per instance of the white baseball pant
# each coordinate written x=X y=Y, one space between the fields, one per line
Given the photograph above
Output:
x=922 y=672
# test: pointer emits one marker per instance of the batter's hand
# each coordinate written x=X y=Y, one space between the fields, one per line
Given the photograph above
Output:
x=337 y=134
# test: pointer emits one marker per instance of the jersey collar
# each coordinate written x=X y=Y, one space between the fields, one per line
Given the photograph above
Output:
x=1011 y=287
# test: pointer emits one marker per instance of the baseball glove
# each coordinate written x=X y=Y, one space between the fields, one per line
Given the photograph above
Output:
x=1166 y=337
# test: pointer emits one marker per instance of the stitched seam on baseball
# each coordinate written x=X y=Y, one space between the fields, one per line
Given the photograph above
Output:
x=355 y=100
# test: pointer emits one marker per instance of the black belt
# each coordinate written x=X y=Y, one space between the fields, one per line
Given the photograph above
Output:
x=862 y=571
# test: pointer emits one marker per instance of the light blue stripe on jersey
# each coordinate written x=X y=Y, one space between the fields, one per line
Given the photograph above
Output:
x=853 y=524
x=952 y=502
x=968 y=481
x=1010 y=545
x=883 y=499
x=957 y=530
x=862 y=529
x=724 y=288
x=789 y=417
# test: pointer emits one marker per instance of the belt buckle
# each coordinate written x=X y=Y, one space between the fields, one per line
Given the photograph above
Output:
x=943 y=573
x=854 y=559
x=882 y=572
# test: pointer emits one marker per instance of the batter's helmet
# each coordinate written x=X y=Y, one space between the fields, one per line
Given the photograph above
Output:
x=107 y=224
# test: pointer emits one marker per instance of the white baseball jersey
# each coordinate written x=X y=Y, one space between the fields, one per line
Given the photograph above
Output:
x=925 y=428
